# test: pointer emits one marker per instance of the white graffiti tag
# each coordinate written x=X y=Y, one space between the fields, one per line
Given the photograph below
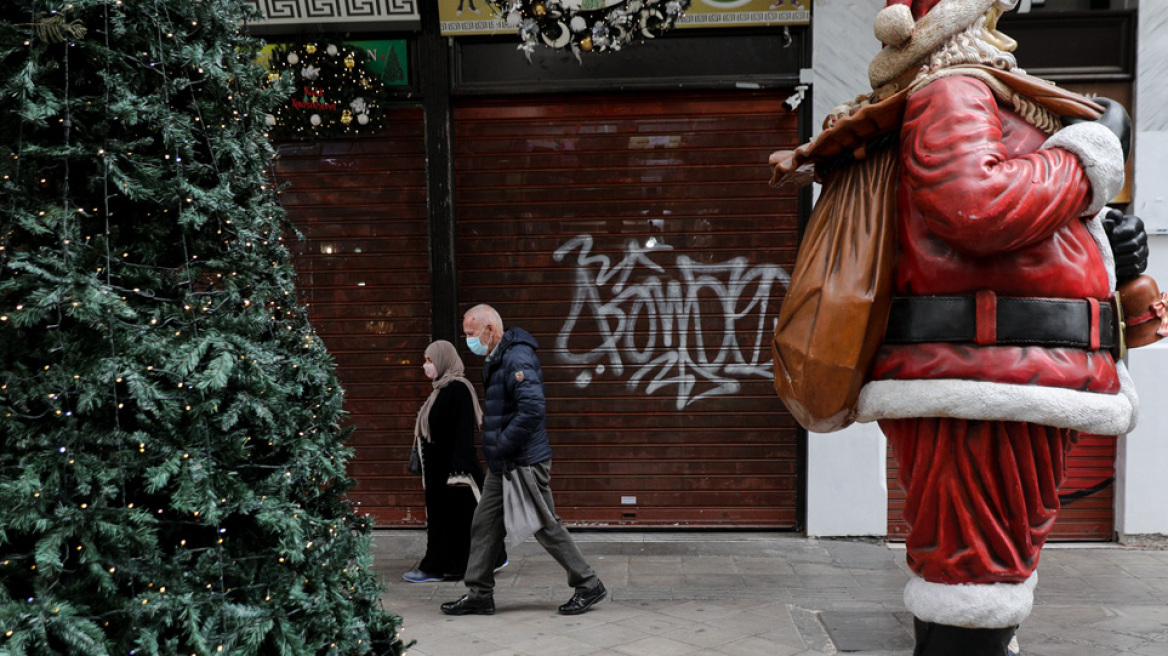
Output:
x=655 y=324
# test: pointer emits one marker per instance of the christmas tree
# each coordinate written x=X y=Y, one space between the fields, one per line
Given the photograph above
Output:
x=173 y=466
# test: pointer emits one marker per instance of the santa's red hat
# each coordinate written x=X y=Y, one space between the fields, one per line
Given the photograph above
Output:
x=913 y=29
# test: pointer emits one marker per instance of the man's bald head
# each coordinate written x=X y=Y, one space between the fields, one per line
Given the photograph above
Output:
x=483 y=321
x=484 y=315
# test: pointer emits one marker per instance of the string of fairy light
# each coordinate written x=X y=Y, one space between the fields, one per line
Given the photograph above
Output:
x=333 y=92
x=210 y=303
x=589 y=25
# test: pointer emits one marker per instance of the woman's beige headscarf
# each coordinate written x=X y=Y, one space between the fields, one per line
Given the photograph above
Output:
x=449 y=368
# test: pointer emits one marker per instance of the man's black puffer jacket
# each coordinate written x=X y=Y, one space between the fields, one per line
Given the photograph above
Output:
x=514 y=419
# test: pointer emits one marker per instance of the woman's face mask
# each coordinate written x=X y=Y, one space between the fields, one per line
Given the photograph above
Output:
x=430 y=369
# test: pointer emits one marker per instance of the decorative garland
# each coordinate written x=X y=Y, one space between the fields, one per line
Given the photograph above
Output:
x=333 y=93
x=589 y=25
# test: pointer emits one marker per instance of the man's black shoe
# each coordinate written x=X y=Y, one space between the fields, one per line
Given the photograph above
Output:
x=468 y=606
x=582 y=601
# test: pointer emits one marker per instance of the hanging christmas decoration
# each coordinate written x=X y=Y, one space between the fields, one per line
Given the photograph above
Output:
x=333 y=93
x=588 y=25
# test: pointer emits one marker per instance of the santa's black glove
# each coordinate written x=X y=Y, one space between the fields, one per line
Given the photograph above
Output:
x=1114 y=118
x=1129 y=243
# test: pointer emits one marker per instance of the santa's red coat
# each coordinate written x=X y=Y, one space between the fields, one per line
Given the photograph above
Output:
x=986 y=203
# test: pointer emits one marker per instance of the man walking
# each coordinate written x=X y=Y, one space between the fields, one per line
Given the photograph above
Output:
x=514 y=433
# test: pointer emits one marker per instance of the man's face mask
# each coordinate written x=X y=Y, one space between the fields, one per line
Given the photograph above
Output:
x=476 y=346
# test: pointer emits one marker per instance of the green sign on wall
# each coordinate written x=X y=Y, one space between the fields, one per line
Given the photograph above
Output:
x=388 y=58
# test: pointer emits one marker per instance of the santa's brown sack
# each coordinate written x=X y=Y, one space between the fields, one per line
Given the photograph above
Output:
x=1145 y=311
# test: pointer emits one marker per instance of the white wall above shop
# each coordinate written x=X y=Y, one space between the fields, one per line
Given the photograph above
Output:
x=842 y=44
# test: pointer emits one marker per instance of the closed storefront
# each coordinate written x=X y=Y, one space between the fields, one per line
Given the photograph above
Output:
x=635 y=236
x=363 y=266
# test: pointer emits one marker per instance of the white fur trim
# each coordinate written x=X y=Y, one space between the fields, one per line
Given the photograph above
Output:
x=971 y=605
x=1095 y=227
x=1127 y=387
x=946 y=18
x=1089 y=412
x=1099 y=151
x=894 y=24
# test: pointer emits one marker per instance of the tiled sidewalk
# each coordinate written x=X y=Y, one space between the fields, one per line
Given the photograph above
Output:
x=762 y=594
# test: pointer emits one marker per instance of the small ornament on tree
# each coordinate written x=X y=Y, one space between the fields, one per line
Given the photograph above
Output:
x=589 y=25
x=334 y=94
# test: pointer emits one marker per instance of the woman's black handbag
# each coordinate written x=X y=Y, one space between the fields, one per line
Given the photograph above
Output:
x=415 y=462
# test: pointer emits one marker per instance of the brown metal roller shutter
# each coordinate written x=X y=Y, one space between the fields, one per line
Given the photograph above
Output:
x=364 y=267
x=636 y=237
x=1088 y=501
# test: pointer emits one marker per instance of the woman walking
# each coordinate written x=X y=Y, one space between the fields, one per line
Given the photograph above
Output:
x=451 y=473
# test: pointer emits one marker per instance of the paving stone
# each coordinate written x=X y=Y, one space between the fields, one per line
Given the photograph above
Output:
x=637 y=579
x=769 y=566
x=1155 y=648
x=655 y=624
x=749 y=624
x=839 y=581
x=788 y=636
x=462 y=645
x=607 y=635
x=861 y=631
x=774 y=581
x=1065 y=649
x=811 y=630
x=651 y=565
x=869 y=580
x=706 y=636
x=701 y=611
x=723 y=580
x=709 y=565
x=754 y=646
x=656 y=646
x=554 y=645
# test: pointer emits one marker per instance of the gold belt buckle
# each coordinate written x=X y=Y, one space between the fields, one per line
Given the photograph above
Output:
x=1121 y=325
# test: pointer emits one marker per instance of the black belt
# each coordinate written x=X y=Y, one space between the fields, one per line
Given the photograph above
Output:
x=989 y=319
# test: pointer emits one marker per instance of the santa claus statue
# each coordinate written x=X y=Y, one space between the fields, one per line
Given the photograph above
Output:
x=1002 y=328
